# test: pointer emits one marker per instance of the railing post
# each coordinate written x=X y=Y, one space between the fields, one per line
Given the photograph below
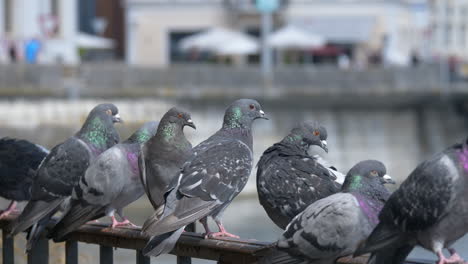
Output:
x=39 y=254
x=8 y=249
x=186 y=260
x=71 y=252
x=142 y=259
x=106 y=255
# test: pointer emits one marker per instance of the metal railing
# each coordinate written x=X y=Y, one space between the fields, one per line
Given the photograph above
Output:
x=190 y=245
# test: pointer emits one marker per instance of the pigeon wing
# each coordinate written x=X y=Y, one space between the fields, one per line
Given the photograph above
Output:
x=328 y=228
x=215 y=174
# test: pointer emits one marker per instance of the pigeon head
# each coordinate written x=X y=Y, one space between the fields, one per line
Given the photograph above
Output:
x=367 y=176
x=172 y=124
x=242 y=113
x=308 y=134
x=99 y=129
x=177 y=116
x=147 y=131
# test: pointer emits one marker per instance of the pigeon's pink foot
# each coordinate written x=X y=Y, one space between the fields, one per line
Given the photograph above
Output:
x=125 y=222
x=11 y=209
x=220 y=234
x=454 y=258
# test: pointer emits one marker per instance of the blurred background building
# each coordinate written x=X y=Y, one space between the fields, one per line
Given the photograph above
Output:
x=386 y=77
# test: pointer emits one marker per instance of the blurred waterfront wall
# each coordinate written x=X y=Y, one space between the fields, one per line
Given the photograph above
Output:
x=208 y=81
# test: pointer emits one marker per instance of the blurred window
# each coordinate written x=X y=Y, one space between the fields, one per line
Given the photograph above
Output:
x=462 y=36
x=7 y=16
x=55 y=12
x=448 y=34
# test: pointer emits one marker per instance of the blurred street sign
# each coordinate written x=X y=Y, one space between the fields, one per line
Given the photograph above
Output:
x=267 y=6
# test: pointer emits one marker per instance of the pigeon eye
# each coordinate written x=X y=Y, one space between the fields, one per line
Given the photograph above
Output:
x=179 y=115
x=252 y=107
x=316 y=133
x=374 y=173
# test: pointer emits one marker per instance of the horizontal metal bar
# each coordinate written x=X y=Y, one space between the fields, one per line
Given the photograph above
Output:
x=226 y=250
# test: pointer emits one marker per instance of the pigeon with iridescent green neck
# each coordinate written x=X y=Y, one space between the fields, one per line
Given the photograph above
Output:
x=109 y=184
x=332 y=227
x=163 y=156
x=63 y=167
x=211 y=178
x=289 y=179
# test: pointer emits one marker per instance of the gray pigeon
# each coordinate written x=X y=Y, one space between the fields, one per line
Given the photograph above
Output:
x=19 y=160
x=289 y=179
x=216 y=173
x=332 y=227
x=163 y=155
x=109 y=184
x=430 y=209
x=62 y=168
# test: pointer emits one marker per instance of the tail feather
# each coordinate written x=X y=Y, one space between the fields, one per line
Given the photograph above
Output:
x=162 y=244
x=33 y=213
x=152 y=220
x=382 y=236
x=395 y=255
x=78 y=215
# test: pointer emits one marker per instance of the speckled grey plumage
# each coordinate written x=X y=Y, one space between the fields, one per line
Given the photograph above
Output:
x=62 y=168
x=289 y=179
x=332 y=227
x=430 y=209
x=216 y=172
x=110 y=183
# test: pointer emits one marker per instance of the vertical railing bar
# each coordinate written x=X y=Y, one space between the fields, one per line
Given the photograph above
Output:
x=106 y=255
x=142 y=259
x=186 y=260
x=8 y=249
x=39 y=254
x=71 y=252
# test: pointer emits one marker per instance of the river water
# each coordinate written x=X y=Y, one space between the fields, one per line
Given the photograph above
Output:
x=390 y=136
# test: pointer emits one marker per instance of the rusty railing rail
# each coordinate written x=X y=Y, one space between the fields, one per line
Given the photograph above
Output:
x=190 y=245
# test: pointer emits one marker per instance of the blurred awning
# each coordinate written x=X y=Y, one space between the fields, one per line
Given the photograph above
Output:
x=85 y=40
x=221 y=41
x=339 y=29
x=294 y=37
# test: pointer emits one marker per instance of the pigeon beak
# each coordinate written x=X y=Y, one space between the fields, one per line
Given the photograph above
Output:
x=324 y=145
x=388 y=179
x=262 y=115
x=117 y=119
x=191 y=124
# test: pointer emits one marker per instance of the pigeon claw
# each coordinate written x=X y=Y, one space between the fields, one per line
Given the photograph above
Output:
x=126 y=222
x=220 y=234
x=454 y=258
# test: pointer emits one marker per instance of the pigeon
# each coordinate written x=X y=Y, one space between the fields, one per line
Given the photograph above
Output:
x=63 y=167
x=332 y=227
x=110 y=183
x=289 y=179
x=211 y=178
x=19 y=160
x=430 y=209
x=162 y=157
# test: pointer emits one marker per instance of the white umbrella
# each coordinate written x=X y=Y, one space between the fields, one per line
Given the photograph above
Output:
x=205 y=40
x=85 y=40
x=221 y=41
x=240 y=44
x=293 y=37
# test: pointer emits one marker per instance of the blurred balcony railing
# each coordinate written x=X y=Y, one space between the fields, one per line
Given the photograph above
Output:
x=224 y=251
x=200 y=81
